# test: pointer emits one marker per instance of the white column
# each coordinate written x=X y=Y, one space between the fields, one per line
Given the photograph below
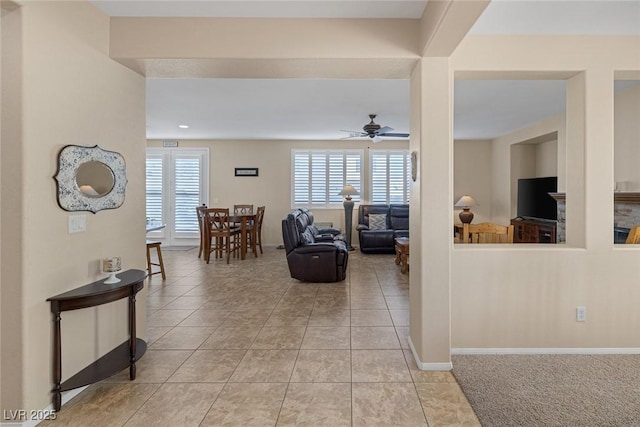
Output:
x=431 y=213
x=599 y=158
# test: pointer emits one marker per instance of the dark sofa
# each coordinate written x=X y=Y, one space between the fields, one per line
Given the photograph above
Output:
x=382 y=240
x=313 y=255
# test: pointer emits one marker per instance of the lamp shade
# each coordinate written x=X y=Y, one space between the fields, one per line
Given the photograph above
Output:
x=348 y=190
x=465 y=202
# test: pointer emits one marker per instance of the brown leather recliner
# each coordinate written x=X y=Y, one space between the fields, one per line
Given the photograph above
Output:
x=311 y=260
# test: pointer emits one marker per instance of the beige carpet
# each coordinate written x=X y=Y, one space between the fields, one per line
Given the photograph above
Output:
x=551 y=390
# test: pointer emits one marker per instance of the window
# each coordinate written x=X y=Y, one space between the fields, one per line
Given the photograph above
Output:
x=154 y=187
x=187 y=193
x=390 y=177
x=177 y=183
x=319 y=175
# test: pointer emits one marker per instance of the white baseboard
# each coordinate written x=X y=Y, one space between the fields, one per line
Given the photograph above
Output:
x=448 y=366
x=568 y=350
x=423 y=366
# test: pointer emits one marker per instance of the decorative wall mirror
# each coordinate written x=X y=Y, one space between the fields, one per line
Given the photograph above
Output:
x=90 y=179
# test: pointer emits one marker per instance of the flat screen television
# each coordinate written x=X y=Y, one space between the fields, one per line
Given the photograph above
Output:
x=534 y=200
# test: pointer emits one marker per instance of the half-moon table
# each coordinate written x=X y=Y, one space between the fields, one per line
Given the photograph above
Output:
x=126 y=354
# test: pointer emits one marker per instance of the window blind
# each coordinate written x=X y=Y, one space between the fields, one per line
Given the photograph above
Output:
x=187 y=192
x=319 y=175
x=390 y=176
x=154 y=188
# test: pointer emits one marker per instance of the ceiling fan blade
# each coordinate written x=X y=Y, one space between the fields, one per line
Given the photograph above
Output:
x=384 y=129
x=397 y=135
x=354 y=133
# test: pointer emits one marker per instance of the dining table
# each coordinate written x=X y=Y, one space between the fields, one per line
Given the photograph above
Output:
x=246 y=231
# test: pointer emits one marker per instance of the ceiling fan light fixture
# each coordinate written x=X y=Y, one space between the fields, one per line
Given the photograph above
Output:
x=374 y=131
x=371 y=128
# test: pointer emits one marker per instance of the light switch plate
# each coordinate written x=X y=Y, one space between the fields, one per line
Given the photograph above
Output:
x=77 y=223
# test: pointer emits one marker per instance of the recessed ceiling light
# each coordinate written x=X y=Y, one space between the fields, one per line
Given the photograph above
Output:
x=183 y=126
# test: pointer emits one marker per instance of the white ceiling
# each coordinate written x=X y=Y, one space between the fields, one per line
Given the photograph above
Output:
x=266 y=8
x=319 y=109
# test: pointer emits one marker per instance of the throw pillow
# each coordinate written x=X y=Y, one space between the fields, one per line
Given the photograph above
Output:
x=377 y=221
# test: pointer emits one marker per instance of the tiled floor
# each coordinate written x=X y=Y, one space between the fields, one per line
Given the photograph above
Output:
x=245 y=345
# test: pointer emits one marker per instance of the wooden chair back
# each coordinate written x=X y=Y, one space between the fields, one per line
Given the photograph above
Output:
x=242 y=209
x=218 y=220
x=487 y=232
x=259 y=218
x=220 y=234
x=634 y=236
x=201 y=211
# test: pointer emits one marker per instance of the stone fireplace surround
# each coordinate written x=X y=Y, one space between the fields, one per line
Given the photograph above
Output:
x=626 y=211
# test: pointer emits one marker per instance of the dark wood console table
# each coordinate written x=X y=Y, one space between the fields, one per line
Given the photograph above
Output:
x=126 y=354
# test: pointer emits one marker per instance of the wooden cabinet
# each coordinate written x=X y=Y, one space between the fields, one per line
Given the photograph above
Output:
x=533 y=231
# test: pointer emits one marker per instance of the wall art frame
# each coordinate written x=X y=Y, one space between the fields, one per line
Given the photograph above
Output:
x=70 y=197
x=246 y=171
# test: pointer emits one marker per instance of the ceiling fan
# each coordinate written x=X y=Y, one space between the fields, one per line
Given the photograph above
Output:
x=374 y=131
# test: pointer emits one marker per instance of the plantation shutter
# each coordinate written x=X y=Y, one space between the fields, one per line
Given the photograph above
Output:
x=301 y=178
x=390 y=176
x=318 y=179
x=154 y=188
x=319 y=175
x=187 y=180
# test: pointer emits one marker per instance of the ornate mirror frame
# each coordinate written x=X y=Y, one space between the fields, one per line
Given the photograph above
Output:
x=70 y=197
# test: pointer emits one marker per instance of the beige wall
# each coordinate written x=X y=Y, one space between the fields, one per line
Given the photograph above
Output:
x=526 y=296
x=627 y=137
x=536 y=152
x=272 y=187
x=546 y=159
x=71 y=93
x=481 y=165
x=472 y=175
x=11 y=325
x=461 y=297
x=515 y=156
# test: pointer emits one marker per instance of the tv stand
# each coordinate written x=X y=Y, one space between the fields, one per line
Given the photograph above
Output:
x=533 y=230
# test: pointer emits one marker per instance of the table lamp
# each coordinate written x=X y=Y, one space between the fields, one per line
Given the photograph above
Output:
x=348 y=191
x=465 y=202
x=111 y=266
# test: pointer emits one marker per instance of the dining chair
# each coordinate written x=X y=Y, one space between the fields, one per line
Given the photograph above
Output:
x=221 y=236
x=258 y=226
x=634 y=236
x=487 y=232
x=242 y=209
x=201 y=212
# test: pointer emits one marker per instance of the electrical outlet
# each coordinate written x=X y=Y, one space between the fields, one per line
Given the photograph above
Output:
x=581 y=314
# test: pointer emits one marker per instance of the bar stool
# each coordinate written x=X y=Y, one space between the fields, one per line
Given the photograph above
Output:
x=152 y=244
